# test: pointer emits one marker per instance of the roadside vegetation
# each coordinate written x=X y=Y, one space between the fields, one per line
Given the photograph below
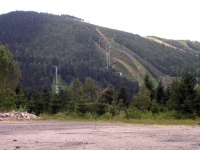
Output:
x=36 y=43
x=146 y=119
x=175 y=104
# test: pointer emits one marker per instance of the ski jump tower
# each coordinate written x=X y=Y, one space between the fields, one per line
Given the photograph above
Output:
x=57 y=86
x=107 y=48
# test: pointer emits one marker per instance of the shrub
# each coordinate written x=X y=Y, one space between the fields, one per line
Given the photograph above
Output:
x=106 y=116
x=7 y=99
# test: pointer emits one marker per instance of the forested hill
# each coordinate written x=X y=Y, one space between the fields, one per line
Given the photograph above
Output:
x=186 y=45
x=40 y=41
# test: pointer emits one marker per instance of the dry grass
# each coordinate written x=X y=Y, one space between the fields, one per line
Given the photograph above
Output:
x=162 y=42
x=129 y=68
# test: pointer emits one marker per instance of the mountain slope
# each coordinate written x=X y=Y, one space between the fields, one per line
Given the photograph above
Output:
x=184 y=45
x=49 y=40
x=162 y=42
x=40 y=41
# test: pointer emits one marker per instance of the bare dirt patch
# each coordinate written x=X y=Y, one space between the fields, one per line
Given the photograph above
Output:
x=49 y=135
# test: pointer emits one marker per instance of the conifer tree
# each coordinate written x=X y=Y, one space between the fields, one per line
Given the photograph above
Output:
x=89 y=88
x=149 y=84
x=46 y=97
x=55 y=104
x=142 y=100
x=20 y=97
x=183 y=94
x=77 y=90
x=123 y=95
x=160 y=93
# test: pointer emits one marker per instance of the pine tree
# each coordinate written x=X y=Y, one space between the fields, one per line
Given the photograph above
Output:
x=65 y=97
x=167 y=93
x=89 y=89
x=149 y=84
x=55 y=104
x=142 y=100
x=46 y=97
x=197 y=102
x=160 y=93
x=20 y=97
x=183 y=94
x=123 y=95
x=77 y=91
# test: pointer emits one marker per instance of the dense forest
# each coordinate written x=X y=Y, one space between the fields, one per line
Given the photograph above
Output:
x=34 y=44
x=41 y=41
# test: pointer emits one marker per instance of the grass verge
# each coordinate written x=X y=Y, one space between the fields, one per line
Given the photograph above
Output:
x=119 y=119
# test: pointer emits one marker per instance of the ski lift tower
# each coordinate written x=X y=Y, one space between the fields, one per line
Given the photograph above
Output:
x=57 y=86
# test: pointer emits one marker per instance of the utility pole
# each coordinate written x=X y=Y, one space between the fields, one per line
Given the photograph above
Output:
x=56 y=86
x=56 y=75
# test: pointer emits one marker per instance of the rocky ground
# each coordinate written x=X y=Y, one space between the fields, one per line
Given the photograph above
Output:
x=13 y=115
x=49 y=135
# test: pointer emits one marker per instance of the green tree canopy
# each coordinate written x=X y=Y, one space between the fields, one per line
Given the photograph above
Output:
x=9 y=70
x=122 y=94
x=77 y=90
x=149 y=85
x=109 y=93
x=183 y=94
x=142 y=100
x=160 y=93
x=89 y=88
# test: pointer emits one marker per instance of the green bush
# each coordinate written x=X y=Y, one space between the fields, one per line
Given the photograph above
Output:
x=155 y=107
x=101 y=109
x=82 y=109
x=88 y=116
x=134 y=114
x=106 y=116
x=185 y=116
x=7 y=99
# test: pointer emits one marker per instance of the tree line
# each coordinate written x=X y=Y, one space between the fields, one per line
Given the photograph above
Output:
x=38 y=42
x=181 y=97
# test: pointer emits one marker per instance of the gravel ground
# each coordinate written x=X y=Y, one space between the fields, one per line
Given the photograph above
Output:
x=49 y=135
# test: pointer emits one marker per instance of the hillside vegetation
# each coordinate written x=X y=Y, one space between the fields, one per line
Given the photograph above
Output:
x=41 y=42
x=185 y=45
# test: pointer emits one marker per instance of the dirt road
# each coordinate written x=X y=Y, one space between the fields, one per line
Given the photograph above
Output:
x=49 y=135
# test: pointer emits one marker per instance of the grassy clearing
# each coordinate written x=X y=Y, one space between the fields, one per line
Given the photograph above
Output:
x=129 y=68
x=119 y=119
x=134 y=63
x=162 y=42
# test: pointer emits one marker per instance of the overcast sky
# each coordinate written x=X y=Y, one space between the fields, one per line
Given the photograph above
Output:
x=171 y=19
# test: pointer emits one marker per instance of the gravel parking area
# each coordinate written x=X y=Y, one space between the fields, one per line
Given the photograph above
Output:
x=49 y=135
